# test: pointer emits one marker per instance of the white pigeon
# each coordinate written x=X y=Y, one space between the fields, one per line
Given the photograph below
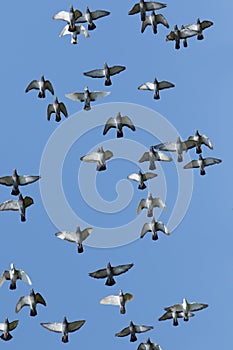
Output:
x=149 y=346
x=118 y=300
x=16 y=180
x=100 y=157
x=105 y=72
x=69 y=17
x=201 y=140
x=74 y=33
x=178 y=146
x=118 y=122
x=21 y=204
x=156 y=86
x=132 y=329
x=76 y=237
x=150 y=203
x=153 y=227
x=143 y=6
x=153 y=20
x=90 y=16
x=199 y=27
x=141 y=178
x=179 y=34
x=87 y=97
x=57 y=108
x=40 y=85
x=13 y=275
x=152 y=156
x=202 y=163
x=30 y=300
x=6 y=327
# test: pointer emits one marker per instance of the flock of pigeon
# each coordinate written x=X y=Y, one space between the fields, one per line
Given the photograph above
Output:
x=185 y=310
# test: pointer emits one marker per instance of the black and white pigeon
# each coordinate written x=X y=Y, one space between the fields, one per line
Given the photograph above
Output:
x=16 y=180
x=30 y=300
x=63 y=327
x=13 y=275
x=149 y=346
x=174 y=315
x=6 y=327
x=153 y=227
x=78 y=29
x=87 y=97
x=150 y=203
x=118 y=300
x=76 y=237
x=143 y=6
x=178 y=146
x=202 y=163
x=152 y=156
x=201 y=140
x=40 y=85
x=153 y=20
x=21 y=204
x=132 y=329
x=119 y=122
x=105 y=72
x=199 y=27
x=156 y=86
x=90 y=16
x=57 y=108
x=141 y=178
x=180 y=34
x=69 y=17
x=186 y=308
x=100 y=157
x=111 y=271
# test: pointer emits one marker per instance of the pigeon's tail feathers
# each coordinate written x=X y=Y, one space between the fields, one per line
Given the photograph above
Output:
x=13 y=285
x=141 y=186
x=122 y=309
x=33 y=312
x=110 y=281
x=133 y=338
x=65 y=338
x=119 y=133
x=180 y=158
x=101 y=167
x=156 y=95
x=91 y=26
x=108 y=82
x=177 y=47
x=41 y=94
x=80 y=248
x=200 y=37
x=23 y=218
x=6 y=337
x=175 y=322
x=15 y=191
x=203 y=172
x=154 y=236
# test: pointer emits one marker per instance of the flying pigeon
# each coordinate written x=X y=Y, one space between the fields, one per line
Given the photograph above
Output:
x=144 y=6
x=111 y=271
x=89 y=17
x=153 y=20
x=149 y=346
x=152 y=156
x=141 y=178
x=186 y=307
x=6 y=327
x=178 y=34
x=57 y=108
x=74 y=33
x=199 y=27
x=21 y=204
x=200 y=140
x=201 y=163
x=40 y=85
x=69 y=17
x=64 y=327
x=105 y=72
x=132 y=330
x=178 y=146
x=150 y=203
x=30 y=300
x=174 y=315
x=77 y=237
x=87 y=97
x=153 y=227
x=118 y=122
x=17 y=180
x=156 y=86
x=100 y=157
x=13 y=275
x=118 y=300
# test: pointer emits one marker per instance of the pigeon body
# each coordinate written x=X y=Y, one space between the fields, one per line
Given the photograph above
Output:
x=156 y=86
x=178 y=34
x=200 y=140
x=89 y=17
x=106 y=73
x=202 y=163
x=199 y=27
x=13 y=275
x=87 y=97
x=118 y=122
x=100 y=157
x=74 y=33
x=143 y=6
x=111 y=271
x=30 y=300
x=17 y=180
x=21 y=204
x=150 y=203
x=57 y=108
x=152 y=156
x=6 y=327
x=118 y=300
x=40 y=85
x=132 y=329
x=141 y=178
x=153 y=227
x=149 y=346
x=69 y=17
x=76 y=237
x=153 y=20
x=178 y=146
x=185 y=308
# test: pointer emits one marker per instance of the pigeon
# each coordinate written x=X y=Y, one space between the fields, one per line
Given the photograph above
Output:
x=144 y=6
x=153 y=227
x=87 y=97
x=178 y=146
x=6 y=327
x=186 y=307
x=200 y=140
x=156 y=86
x=153 y=156
x=64 y=327
x=149 y=346
x=31 y=301
x=74 y=33
x=141 y=178
x=174 y=315
x=111 y=271
x=178 y=34
x=100 y=157
x=132 y=330
x=105 y=72
x=89 y=17
x=18 y=180
x=150 y=203
x=201 y=163
x=118 y=122
x=13 y=275
x=77 y=237
x=153 y=20
x=199 y=27
x=57 y=108
x=40 y=85
x=69 y=17
x=118 y=300
x=21 y=204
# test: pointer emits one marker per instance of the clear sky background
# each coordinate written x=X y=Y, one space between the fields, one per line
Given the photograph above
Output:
x=196 y=260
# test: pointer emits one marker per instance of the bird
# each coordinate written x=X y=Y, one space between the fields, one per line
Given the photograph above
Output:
x=132 y=329
x=16 y=180
x=149 y=346
x=69 y=17
x=202 y=163
x=63 y=327
x=141 y=178
x=6 y=327
x=186 y=307
x=178 y=34
x=77 y=237
x=111 y=271
x=74 y=33
x=174 y=315
x=153 y=227
x=89 y=17
x=87 y=97
x=30 y=300
x=100 y=157
x=152 y=156
x=21 y=204
x=57 y=108
x=201 y=140
x=178 y=146
x=143 y=6
x=118 y=300
x=118 y=122
x=199 y=27
x=13 y=275
x=156 y=86
x=153 y=20
x=105 y=72
x=150 y=203
x=40 y=85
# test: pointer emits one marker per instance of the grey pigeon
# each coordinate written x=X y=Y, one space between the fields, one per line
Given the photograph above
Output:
x=100 y=157
x=174 y=315
x=57 y=108
x=40 y=85
x=156 y=86
x=178 y=146
x=6 y=327
x=87 y=97
x=186 y=308
x=153 y=227
x=30 y=300
x=143 y=6
x=152 y=156
x=118 y=122
x=64 y=327
x=202 y=163
x=105 y=72
x=18 y=180
x=111 y=271
x=150 y=203
x=153 y=20
x=76 y=237
x=89 y=17
x=74 y=33
x=13 y=275
x=132 y=330
x=141 y=178
x=199 y=27
x=69 y=17
x=118 y=300
x=178 y=34
x=200 y=140
x=149 y=346
x=21 y=204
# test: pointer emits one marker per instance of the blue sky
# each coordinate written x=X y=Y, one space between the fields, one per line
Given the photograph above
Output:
x=196 y=260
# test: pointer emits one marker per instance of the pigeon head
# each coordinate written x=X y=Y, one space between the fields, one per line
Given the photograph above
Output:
x=86 y=89
x=150 y=195
x=56 y=100
x=176 y=27
x=153 y=220
x=71 y=8
x=109 y=265
x=100 y=149
x=120 y=292
x=20 y=197
x=15 y=172
x=197 y=133
x=131 y=324
x=105 y=65
x=65 y=319
x=6 y=320
x=42 y=78
x=87 y=9
x=32 y=292
x=198 y=21
x=148 y=341
x=12 y=266
x=200 y=157
x=155 y=80
x=178 y=139
x=151 y=148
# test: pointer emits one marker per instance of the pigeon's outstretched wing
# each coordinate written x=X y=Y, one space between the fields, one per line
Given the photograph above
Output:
x=53 y=326
x=99 y=13
x=126 y=121
x=6 y=180
x=23 y=301
x=110 y=300
x=111 y=123
x=28 y=201
x=157 y=202
x=146 y=228
x=24 y=277
x=95 y=95
x=141 y=205
x=102 y=273
x=5 y=276
x=75 y=325
x=142 y=328
x=118 y=270
x=116 y=69
x=165 y=85
x=40 y=299
x=34 y=84
x=147 y=86
x=96 y=73
x=91 y=157
x=76 y=96
x=67 y=236
x=123 y=333
x=11 y=204
x=28 y=179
